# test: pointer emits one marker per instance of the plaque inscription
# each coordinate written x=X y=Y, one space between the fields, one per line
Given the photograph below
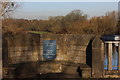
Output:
x=49 y=49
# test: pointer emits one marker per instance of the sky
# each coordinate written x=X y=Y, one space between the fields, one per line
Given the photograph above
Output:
x=42 y=10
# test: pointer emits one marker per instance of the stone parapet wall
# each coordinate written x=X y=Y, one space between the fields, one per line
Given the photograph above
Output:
x=23 y=48
x=70 y=47
x=26 y=48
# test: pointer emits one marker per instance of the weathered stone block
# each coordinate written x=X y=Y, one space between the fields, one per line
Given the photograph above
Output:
x=86 y=73
x=12 y=49
x=97 y=62
x=18 y=53
x=50 y=67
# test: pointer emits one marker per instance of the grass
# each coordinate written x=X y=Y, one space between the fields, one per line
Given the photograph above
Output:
x=38 y=32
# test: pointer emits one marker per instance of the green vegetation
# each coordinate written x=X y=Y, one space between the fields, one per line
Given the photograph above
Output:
x=37 y=32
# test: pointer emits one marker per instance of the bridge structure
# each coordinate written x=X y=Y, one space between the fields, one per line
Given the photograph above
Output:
x=71 y=55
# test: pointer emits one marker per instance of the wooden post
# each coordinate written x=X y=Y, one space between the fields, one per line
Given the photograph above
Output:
x=109 y=56
x=119 y=56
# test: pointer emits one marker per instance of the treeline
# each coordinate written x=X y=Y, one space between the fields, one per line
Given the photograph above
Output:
x=75 y=22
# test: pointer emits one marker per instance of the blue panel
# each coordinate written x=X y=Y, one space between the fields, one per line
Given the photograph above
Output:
x=106 y=63
x=49 y=49
x=115 y=60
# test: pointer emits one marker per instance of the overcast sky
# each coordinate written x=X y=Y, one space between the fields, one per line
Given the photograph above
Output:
x=42 y=10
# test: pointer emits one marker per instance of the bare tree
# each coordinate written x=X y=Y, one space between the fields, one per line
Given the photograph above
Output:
x=7 y=8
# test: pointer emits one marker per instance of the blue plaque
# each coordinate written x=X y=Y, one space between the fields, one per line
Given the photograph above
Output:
x=49 y=49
